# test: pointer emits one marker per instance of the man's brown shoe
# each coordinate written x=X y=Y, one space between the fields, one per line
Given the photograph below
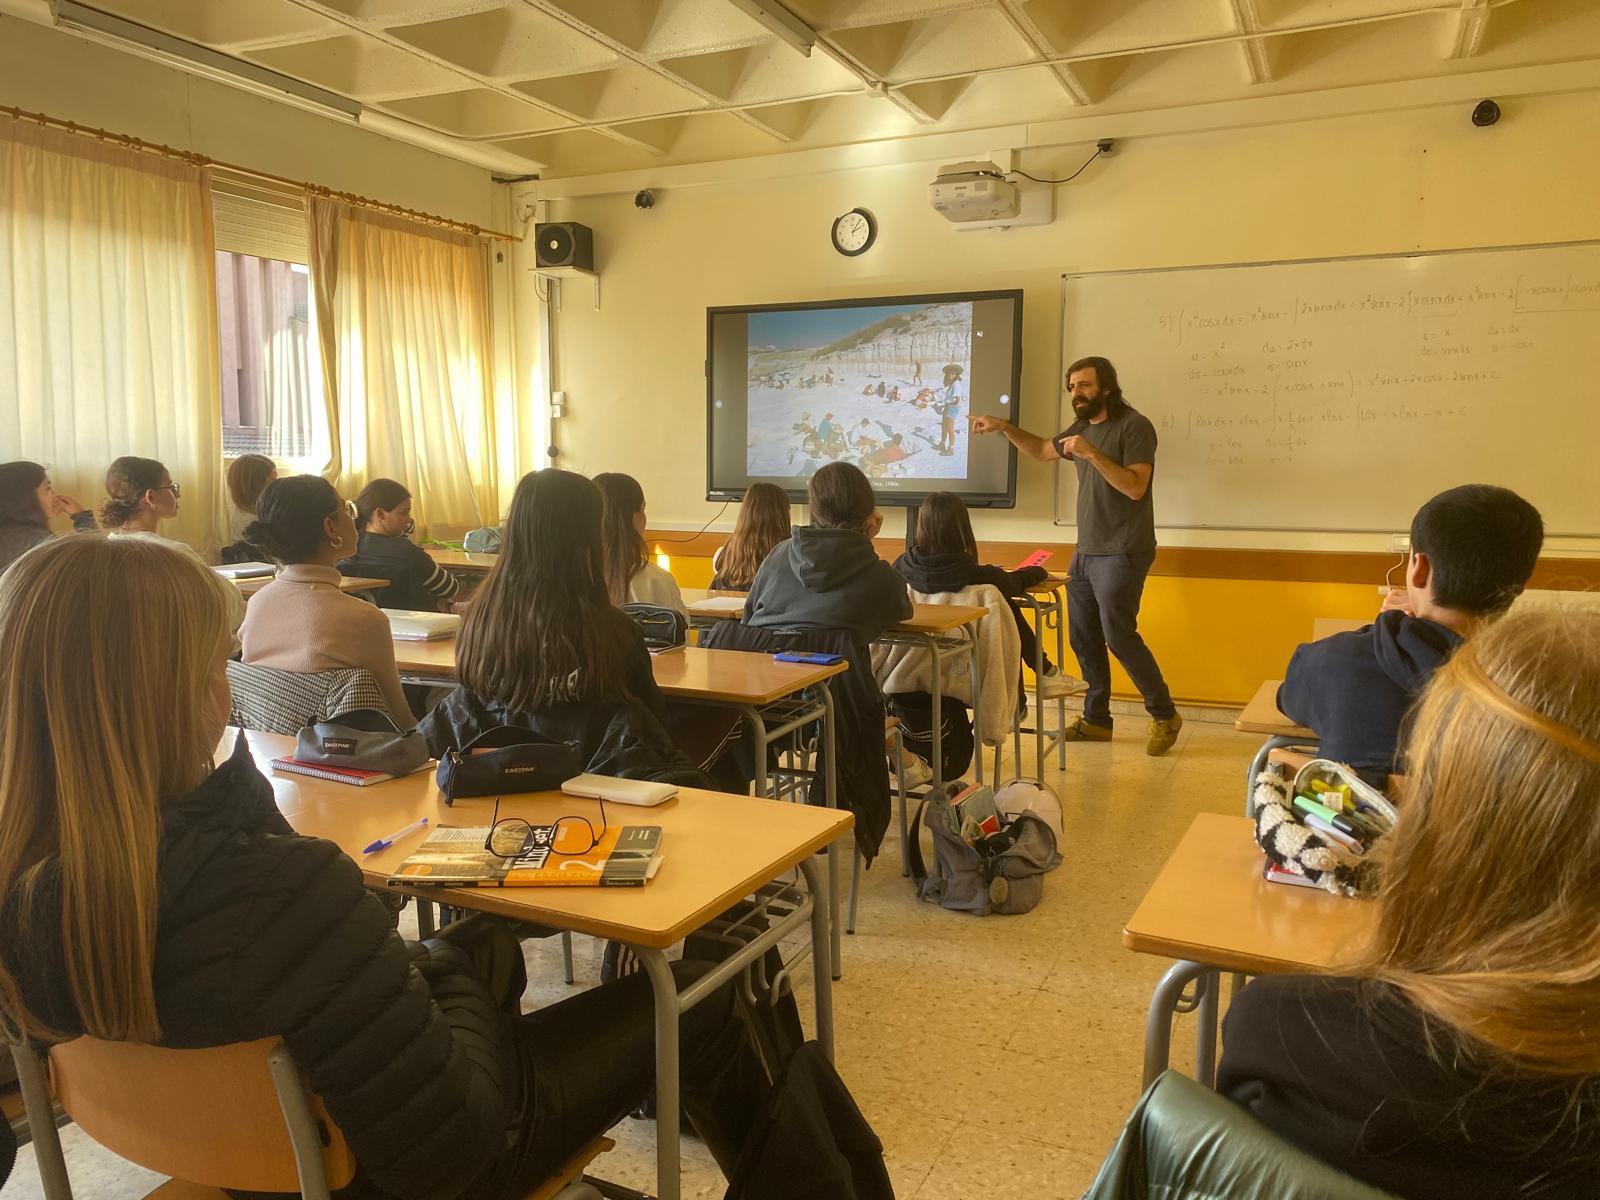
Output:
x=1163 y=735
x=1079 y=730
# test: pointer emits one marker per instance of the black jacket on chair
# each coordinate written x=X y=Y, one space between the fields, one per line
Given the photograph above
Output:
x=261 y=933
x=858 y=714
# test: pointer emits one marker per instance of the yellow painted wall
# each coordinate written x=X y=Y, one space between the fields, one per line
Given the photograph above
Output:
x=1418 y=178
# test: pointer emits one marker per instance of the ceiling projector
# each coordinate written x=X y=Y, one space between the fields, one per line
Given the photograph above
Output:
x=974 y=191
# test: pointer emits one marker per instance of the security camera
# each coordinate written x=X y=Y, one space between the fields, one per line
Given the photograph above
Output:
x=1485 y=114
x=645 y=200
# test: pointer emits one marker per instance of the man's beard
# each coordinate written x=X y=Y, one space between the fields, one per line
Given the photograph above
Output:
x=1089 y=409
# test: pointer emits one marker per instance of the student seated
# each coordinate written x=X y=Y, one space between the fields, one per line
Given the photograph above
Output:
x=301 y=621
x=943 y=557
x=247 y=476
x=1458 y=1054
x=828 y=574
x=543 y=648
x=384 y=550
x=763 y=522
x=147 y=896
x=27 y=505
x=140 y=494
x=631 y=578
x=1472 y=551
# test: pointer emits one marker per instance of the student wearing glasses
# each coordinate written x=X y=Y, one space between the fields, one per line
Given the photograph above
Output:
x=149 y=895
x=301 y=621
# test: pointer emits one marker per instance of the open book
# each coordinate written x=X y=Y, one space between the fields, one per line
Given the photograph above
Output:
x=454 y=856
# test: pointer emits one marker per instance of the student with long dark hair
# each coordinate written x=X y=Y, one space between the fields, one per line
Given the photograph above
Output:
x=384 y=549
x=150 y=897
x=28 y=502
x=631 y=578
x=543 y=647
x=302 y=621
x=1457 y=1054
x=763 y=522
x=943 y=557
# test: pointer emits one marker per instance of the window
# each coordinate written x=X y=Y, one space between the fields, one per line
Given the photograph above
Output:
x=271 y=368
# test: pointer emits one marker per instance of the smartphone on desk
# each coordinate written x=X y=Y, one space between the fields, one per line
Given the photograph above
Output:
x=811 y=658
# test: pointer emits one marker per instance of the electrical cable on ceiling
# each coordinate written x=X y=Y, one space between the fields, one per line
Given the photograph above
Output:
x=1098 y=151
x=702 y=529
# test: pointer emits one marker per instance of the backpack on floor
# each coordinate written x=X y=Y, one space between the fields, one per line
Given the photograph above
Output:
x=984 y=861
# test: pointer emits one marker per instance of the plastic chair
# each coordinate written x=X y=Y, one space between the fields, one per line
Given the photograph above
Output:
x=237 y=1117
x=1184 y=1140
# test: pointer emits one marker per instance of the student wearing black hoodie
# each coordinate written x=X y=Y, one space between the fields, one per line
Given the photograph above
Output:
x=1472 y=551
x=943 y=557
x=828 y=575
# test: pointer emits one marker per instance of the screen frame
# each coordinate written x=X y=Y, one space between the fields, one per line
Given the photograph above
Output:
x=1006 y=499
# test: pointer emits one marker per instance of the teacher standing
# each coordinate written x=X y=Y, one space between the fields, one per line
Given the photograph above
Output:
x=1113 y=446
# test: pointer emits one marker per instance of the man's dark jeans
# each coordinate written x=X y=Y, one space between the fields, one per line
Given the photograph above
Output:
x=1103 y=615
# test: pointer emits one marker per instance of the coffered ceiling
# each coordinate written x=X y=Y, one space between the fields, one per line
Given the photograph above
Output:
x=582 y=86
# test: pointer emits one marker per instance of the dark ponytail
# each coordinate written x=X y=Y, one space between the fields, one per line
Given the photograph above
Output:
x=289 y=518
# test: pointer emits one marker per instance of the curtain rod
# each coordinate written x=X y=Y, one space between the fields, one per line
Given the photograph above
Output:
x=128 y=141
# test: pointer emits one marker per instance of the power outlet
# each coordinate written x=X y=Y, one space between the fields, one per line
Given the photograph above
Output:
x=1400 y=543
x=558 y=404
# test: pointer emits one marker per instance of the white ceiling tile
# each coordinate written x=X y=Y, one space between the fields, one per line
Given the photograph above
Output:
x=1108 y=26
x=476 y=113
x=952 y=44
x=843 y=14
x=509 y=43
x=666 y=28
x=579 y=152
x=763 y=73
x=612 y=95
x=395 y=12
x=212 y=24
x=362 y=68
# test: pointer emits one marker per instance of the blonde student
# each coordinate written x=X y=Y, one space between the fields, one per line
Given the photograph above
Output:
x=149 y=895
x=302 y=621
x=1458 y=1054
x=631 y=577
x=763 y=522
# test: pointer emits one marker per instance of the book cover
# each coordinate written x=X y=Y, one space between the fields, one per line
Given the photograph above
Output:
x=454 y=856
x=351 y=775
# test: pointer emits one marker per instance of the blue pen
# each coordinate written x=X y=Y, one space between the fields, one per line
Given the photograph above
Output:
x=384 y=843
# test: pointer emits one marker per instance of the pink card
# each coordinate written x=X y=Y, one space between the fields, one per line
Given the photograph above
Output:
x=1037 y=559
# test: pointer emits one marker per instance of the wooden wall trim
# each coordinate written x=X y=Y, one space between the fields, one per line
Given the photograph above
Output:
x=1199 y=562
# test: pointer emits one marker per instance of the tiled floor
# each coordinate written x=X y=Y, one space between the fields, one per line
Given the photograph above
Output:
x=980 y=1049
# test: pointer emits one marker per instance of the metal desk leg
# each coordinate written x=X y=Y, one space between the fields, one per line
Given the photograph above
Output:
x=820 y=976
x=1158 y=1022
x=1208 y=987
x=937 y=702
x=1038 y=687
x=42 y=1130
x=1061 y=658
x=977 y=706
x=665 y=989
x=831 y=783
x=758 y=735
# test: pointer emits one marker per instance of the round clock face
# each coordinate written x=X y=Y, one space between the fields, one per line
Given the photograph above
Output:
x=854 y=232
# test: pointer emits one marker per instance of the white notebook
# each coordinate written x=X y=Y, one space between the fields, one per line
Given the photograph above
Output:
x=252 y=570
x=621 y=791
x=408 y=625
x=718 y=604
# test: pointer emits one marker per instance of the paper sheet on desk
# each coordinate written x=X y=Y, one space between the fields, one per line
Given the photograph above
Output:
x=718 y=604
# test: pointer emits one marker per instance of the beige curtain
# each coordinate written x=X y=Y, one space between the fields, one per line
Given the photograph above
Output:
x=403 y=318
x=108 y=307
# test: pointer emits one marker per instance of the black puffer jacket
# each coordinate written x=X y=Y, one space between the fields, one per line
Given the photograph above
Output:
x=261 y=933
x=928 y=573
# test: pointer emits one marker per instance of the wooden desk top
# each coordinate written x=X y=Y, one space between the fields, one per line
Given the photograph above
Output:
x=692 y=673
x=1211 y=905
x=347 y=583
x=1049 y=585
x=461 y=560
x=1328 y=626
x=716 y=848
x=1261 y=715
x=925 y=618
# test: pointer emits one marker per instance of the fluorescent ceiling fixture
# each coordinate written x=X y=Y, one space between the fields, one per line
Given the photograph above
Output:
x=782 y=22
x=201 y=59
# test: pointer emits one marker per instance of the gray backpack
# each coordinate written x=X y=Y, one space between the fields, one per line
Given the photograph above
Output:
x=999 y=872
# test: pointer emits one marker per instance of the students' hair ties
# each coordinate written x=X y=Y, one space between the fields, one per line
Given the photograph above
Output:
x=1483 y=687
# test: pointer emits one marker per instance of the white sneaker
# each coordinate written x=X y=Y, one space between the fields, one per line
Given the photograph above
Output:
x=919 y=773
x=1056 y=683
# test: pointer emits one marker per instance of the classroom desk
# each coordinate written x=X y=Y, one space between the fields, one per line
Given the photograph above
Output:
x=1328 y=626
x=931 y=627
x=347 y=583
x=461 y=560
x=774 y=699
x=717 y=849
x=1211 y=910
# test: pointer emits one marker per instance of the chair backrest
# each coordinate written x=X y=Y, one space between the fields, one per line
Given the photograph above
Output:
x=271 y=701
x=1183 y=1139
x=220 y=1117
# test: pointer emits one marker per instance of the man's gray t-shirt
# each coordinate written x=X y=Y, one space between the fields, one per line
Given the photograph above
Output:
x=1109 y=522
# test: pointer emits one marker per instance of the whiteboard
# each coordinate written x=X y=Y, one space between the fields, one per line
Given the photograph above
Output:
x=1339 y=394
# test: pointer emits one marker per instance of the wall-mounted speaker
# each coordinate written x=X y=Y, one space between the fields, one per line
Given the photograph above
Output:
x=563 y=244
